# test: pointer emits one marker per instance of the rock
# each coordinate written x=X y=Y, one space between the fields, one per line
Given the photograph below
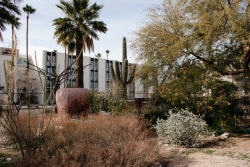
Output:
x=72 y=102
x=225 y=135
x=8 y=159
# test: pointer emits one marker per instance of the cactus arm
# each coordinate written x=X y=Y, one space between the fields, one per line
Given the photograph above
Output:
x=117 y=71
x=132 y=75
x=125 y=71
x=111 y=69
x=124 y=50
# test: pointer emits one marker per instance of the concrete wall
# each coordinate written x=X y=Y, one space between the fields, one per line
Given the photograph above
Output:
x=102 y=75
x=87 y=61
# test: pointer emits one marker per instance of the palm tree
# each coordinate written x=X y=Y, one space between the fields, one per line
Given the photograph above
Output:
x=8 y=10
x=98 y=55
x=78 y=28
x=107 y=51
x=29 y=10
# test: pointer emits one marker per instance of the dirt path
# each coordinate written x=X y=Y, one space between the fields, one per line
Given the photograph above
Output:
x=233 y=152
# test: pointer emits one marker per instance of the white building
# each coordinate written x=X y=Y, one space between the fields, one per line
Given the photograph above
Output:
x=97 y=76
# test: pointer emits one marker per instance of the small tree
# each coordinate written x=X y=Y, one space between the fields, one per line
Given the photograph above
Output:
x=27 y=130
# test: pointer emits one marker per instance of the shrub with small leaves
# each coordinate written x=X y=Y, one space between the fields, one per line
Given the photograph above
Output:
x=182 y=128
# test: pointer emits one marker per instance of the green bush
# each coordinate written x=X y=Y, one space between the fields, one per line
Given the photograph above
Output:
x=152 y=113
x=97 y=103
x=182 y=128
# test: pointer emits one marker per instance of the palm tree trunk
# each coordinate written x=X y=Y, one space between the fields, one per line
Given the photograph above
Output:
x=12 y=43
x=65 y=66
x=79 y=65
x=27 y=43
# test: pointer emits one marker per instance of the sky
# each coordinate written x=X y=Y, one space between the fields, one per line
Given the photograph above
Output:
x=122 y=17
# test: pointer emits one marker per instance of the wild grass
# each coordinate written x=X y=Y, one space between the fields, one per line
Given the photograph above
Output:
x=101 y=140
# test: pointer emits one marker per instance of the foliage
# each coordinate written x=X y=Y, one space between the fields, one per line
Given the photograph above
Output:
x=15 y=146
x=107 y=52
x=201 y=92
x=152 y=113
x=181 y=128
x=213 y=33
x=97 y=103
x=102 y=141
x=117 y=107
x=8 y=10
x=78 y=29
x=98 y=55
x=108 y=103
x=189 y=48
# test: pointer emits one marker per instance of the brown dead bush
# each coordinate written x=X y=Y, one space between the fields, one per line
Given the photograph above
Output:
x=102 y=141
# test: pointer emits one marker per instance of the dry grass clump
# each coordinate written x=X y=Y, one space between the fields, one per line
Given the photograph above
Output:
x=105 y=141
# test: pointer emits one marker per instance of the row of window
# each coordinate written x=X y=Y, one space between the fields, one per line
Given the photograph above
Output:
x=51 y=67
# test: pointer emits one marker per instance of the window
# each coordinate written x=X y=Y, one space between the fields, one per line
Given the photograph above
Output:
x=69 y=60
x=107 y=66
x=48 y=83
x=54 y=59
x=73 y=61
x=48 y=70
x=92 y=65
x=96 y=63
x=96 y=85
x=96 y=74
x=48 y=58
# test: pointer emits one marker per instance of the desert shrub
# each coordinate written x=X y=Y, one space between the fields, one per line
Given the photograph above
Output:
x=102 y=141
x=27 y=131
x=94 y=103
x=181 y=128
x=118 y=107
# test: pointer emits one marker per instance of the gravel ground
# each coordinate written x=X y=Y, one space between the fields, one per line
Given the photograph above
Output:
x=232 y=152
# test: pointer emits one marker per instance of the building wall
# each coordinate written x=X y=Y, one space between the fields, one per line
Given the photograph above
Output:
x=87 y=71
x=97 y=76
x=102 y=70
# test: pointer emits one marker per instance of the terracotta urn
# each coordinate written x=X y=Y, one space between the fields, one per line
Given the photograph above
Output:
x=72 y=102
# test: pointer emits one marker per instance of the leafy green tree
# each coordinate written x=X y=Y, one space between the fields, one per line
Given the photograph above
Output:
x=213 y=32
x=29 y=10
x=189 y=46
x=8 y=10
x=78 y=29
x=191 y=87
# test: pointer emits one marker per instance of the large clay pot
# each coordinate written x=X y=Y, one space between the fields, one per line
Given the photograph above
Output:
x=72 y=102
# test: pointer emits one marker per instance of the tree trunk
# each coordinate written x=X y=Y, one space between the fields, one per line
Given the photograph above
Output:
x=65 y=66
x=12 y=28
x=79 y=65
x=27 y=56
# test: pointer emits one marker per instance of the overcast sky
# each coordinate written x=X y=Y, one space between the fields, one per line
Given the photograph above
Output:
x=121 y=16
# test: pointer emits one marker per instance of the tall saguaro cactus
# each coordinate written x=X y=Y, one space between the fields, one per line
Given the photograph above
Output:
x=120 y=76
